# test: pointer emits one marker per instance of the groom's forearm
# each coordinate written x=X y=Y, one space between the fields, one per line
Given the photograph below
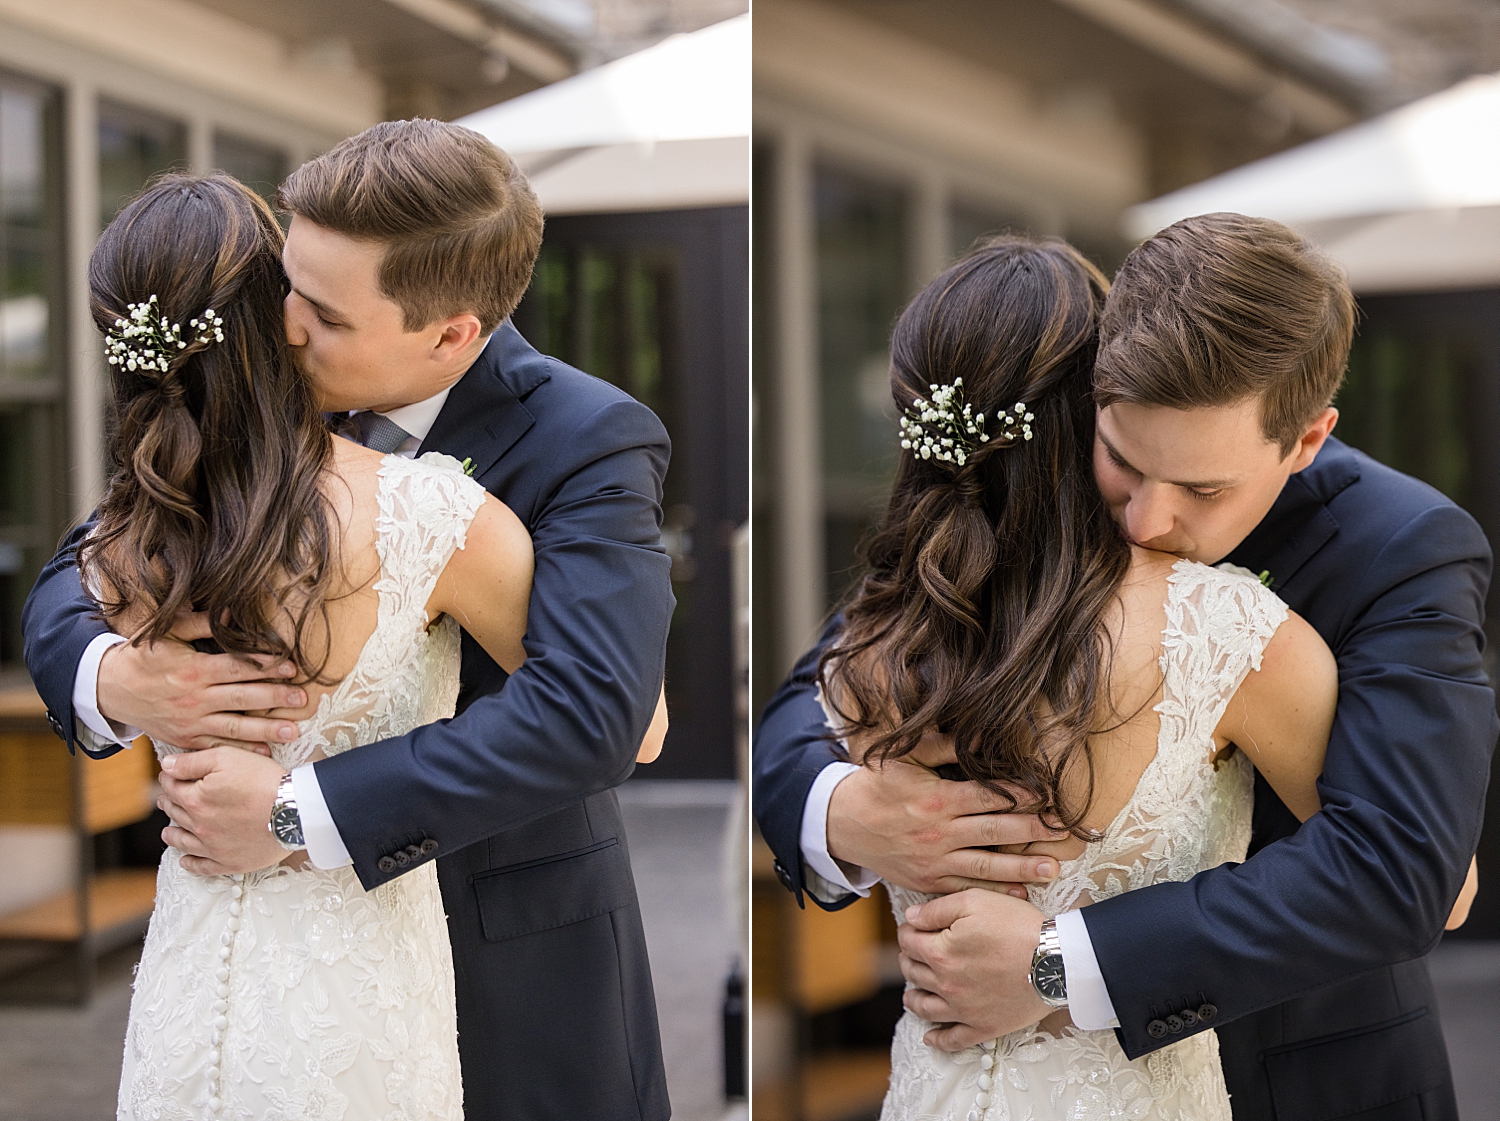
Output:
x=58 y=623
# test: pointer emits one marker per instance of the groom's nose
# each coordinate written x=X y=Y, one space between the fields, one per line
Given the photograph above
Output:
x=296 y=332
x=1149 y=514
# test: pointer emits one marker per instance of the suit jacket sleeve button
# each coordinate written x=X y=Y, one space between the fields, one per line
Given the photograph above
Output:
x=429 y=847
x=56 y=725
x=1207 y=1012
x=1157 y=1029
x=1174 y=1024
x=783 y=875
x=414 y=852
x=1188 y=1017
x=386 y=864
x=400 y=857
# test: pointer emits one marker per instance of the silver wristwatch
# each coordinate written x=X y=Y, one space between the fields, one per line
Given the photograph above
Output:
x=286 y=823
x=1047 y=976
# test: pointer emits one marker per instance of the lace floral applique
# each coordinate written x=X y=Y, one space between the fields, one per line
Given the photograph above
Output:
x=336 y=1004
x=1185 y=815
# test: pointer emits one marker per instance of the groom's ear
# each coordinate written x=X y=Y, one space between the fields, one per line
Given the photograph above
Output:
x=1312 y=440
x=455 y=335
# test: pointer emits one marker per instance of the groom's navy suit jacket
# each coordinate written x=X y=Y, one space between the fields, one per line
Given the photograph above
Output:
x=557 y=1019
x=1308 y=956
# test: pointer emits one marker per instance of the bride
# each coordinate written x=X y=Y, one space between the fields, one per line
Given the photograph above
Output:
x=1110 y=687
x=289 y=992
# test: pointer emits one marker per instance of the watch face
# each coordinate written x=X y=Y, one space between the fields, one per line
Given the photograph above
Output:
x=287 y=825
x=1047 y=976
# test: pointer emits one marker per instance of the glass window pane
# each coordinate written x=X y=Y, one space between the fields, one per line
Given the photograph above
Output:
x=32 y=479
x=134 y=145
x=22 y=158
x=863 y=280
x=259 y=166
x=967 y=223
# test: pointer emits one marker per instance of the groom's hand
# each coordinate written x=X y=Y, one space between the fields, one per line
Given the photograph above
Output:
x=193 y=701
x=907 y=825
x=969 y=956
x=219 y=801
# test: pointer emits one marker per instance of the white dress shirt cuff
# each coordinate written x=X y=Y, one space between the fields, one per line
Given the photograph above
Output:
x=1088 y=999
x=833 y=873
x=325 y=848
x=86 y=697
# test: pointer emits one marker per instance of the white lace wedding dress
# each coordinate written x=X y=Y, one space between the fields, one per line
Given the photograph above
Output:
x=1185 y=815
x=287 y=995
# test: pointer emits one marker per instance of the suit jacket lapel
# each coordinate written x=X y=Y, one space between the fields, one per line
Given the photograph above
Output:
x=1300 y=523
x=486 y=414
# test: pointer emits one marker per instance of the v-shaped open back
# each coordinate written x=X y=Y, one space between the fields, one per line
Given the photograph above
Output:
x=1186 y=814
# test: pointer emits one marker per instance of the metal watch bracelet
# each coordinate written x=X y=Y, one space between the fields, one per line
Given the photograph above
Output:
x=1047 y=976
x=286 y=823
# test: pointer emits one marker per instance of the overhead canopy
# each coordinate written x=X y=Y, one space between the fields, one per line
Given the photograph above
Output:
x=665 y=128
x=1409 y=201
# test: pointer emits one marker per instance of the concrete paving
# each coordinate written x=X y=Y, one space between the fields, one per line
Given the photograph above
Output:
x=63 y=1063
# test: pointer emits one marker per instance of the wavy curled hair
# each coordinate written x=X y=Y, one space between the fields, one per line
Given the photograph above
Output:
x=982 y=611
x=214 y=504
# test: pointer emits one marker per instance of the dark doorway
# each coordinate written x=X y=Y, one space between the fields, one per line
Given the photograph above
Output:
x=1423 y=396
x=658 y=303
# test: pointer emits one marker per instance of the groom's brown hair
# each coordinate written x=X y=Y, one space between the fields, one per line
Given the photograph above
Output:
x=1222 y=308
x=460 y=223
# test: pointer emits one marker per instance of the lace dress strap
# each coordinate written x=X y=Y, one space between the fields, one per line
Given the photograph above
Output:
x=1219 y=621
x=426 y=508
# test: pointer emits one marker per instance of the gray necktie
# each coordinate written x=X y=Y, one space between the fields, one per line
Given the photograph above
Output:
x=379 y=433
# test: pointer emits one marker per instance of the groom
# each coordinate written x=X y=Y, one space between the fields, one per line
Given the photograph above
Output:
x=1308 y=957
x=409 y=247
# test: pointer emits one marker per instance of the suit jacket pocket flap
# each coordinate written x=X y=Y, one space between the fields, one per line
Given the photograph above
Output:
x=1386 y=1063
x=553 y=892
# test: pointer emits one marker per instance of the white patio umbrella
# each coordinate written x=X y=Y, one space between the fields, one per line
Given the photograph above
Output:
x=1408 y=201
x=663 y=129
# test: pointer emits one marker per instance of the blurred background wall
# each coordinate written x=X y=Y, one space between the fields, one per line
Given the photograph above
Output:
x=643 y=289
x=888 y=136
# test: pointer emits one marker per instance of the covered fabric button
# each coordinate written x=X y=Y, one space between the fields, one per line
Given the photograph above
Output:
x=1175 y=1024
x=386 y=864
x=1157 y=1029
x=429 y=847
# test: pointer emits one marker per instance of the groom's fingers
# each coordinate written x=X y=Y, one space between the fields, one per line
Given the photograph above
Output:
x=187 y=767
x=936 y=914
x=238 y=730
x=954 y=1037
x=974 y=830
x=200 y=866
x=966 y=868
x=928 y=1005
x=919 y=973
x=184 y=841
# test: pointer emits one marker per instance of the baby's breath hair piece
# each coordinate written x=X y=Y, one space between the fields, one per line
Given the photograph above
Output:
x=146 y=341
x=944 y=426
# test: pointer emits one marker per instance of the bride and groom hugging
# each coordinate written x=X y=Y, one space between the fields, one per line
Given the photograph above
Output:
x=1215 y=819
x=298 y=962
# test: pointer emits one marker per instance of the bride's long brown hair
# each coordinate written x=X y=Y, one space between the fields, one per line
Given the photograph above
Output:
x=982 y=613
x=214 y=504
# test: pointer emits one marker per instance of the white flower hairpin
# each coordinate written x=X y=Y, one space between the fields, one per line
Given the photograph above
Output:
x=945 y=427
x=146 y=341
